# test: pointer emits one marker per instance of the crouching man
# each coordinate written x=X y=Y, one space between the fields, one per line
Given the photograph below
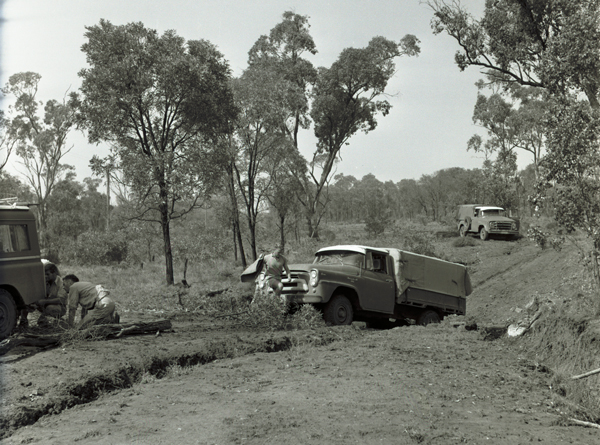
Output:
x=96 y=306
x=53 y=307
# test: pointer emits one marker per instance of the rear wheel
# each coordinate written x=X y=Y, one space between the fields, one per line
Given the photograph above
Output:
x=8 y=314
x=338 y=311
x=462 y=231
x=428 y=317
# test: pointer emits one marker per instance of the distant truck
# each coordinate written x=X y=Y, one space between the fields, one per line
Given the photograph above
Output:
x=382 y=286
x=22 y=279
x=485 y=221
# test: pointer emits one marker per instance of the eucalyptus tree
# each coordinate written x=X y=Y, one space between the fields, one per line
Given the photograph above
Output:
x=7 y=142
x=537 y=43
x=514 y=121
x=284 y=52
x=259 y=138
x=272 y=94
x=41 y=140
x=346 y=100
x=282 y=191
x=161 y=103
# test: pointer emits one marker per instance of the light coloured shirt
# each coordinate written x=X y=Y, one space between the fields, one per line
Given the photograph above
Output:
x=82 y=293
x=274 y=266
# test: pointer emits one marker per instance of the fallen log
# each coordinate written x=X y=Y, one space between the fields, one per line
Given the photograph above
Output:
x=584 y=423
x=587 y=374
x=40 y=342
x=118 y=330
x=95 y=332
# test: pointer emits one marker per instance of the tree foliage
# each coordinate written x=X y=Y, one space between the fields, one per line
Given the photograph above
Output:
x=540 y=43
x=160 y=102
x=40 y=140
x=346 y=100
x=260 y=144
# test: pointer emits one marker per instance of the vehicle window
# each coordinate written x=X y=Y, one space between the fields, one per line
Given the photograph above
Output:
x=494 y=212
x=346 y=258
x=14 y=238
x=379 y=263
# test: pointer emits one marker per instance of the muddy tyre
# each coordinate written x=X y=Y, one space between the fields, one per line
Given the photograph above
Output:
x=483 y=234
x=338 y=311
x=428 y=317
x=8 y=314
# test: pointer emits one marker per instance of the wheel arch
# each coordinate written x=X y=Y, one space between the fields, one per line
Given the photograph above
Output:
x=15 y=295
x=349 y=293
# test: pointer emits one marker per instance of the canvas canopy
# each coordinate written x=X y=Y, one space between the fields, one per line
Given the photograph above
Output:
x=431 y=274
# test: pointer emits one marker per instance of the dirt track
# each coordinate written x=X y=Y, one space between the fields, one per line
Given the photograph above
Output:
x=435 y=385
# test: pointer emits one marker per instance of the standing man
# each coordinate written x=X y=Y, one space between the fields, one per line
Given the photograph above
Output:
x=275 y=264
x=54 y=306
x=96 y=306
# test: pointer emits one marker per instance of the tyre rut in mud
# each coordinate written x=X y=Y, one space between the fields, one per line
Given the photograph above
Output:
x=90 y=389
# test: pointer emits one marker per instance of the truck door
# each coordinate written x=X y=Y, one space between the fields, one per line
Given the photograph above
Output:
x=377 y=291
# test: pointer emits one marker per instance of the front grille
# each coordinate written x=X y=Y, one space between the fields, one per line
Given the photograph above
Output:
x=504 y=226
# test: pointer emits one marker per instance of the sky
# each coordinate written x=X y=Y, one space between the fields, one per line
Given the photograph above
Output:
x=426 y=131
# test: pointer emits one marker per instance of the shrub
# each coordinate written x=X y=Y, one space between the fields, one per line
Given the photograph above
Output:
x=306 y=317
x=420 y=243
x=96 y=248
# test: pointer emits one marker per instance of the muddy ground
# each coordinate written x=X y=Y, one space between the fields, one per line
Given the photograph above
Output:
x=210 y=382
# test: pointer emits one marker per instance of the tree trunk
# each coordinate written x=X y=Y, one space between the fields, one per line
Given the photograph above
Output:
x=164 y=221
x=282 y=231
x=252 y=227
x=595 y=254
x=234 y=233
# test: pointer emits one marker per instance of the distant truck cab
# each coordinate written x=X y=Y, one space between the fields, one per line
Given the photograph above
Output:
x=22 y=279
x=485 y=221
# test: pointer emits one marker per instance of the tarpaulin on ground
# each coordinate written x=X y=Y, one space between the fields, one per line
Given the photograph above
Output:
x=432 y=274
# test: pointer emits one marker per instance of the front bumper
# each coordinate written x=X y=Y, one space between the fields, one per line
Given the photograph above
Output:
x=297 y=291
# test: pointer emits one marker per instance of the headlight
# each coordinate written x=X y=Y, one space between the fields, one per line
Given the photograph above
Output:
x=314 y=277
x=514 y=226
x=492 y=224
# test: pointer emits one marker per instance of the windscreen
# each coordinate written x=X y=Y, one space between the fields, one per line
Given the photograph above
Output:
x=340 y=257
x=493 y=212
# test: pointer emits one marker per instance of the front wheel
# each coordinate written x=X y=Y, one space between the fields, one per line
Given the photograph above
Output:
x=338 y=311
x=8 y=314
x=428 y=317
x=483 y=234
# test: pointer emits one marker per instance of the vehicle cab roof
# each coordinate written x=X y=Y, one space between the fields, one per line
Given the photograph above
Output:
x=13 y=207
x=484 y=208
x=351 y=248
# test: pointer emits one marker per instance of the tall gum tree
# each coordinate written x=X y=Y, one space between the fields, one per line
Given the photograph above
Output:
x=40 y=141
x=346 y=100
x=160 y=102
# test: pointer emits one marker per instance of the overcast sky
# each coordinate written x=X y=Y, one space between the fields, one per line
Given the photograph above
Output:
x=426 y=131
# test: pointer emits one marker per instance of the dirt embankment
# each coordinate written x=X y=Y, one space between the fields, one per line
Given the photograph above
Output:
x=439 y=385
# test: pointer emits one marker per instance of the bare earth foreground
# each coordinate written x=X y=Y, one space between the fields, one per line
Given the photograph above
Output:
x=209 y=383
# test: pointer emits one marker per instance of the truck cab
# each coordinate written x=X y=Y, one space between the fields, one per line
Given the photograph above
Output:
x=484 y=221
x=22 y=279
